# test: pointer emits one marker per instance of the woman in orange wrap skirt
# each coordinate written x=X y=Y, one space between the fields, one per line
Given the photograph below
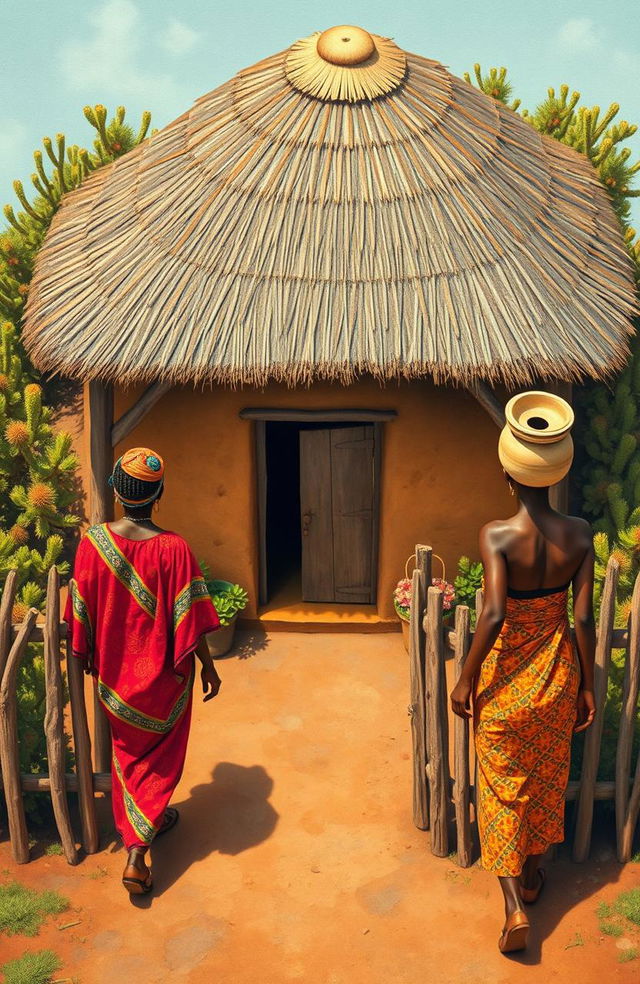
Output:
x=529 y=693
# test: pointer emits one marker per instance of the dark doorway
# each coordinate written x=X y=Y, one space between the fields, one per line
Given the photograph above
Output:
x=324 y=548
x=284 y=537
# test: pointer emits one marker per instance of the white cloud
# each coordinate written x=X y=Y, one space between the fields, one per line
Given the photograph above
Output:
x=577 y=36
x=178 y=38
x=110 y=63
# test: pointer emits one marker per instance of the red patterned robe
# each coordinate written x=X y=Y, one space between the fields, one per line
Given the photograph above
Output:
x=136 y=611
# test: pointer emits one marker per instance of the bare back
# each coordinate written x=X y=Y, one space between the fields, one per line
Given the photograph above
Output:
x=544 y=550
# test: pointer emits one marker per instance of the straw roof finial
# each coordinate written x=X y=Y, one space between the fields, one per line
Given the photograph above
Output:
x=345 y=63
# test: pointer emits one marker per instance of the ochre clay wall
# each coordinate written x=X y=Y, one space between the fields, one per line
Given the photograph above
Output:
x=440 y=474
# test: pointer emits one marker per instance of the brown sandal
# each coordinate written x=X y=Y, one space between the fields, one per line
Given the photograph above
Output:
x=170 y=819
x=515 y=933
x=531 y=895
x=134 y=885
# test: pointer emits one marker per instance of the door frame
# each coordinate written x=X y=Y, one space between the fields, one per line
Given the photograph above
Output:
x=260 y=416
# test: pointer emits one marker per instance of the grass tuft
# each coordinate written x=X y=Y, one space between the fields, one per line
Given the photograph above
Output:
x=23 y=910
x=611 y=929
x=625 y=955
x=604 y=910
x=54 y=848
x=32 y=968
x=628 y=905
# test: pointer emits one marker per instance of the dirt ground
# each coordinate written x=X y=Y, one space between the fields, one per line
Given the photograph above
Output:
x=296 y=858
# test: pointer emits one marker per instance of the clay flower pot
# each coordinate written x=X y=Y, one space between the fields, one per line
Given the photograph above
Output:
x=221 y=641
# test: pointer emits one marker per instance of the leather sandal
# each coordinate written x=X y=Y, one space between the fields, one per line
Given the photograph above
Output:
x=170 y=819
x=531 y=895
x=515 y=933
x=134 y=884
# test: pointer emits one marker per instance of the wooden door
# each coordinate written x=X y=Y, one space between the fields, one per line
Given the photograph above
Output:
x=338 y=497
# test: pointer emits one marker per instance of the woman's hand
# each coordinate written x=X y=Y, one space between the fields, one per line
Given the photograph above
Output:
x=586 y=710
x=210 y=682
x=461 y=699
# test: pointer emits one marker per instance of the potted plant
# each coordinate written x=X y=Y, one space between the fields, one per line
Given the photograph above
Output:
x=229 y=600
x=402 y=598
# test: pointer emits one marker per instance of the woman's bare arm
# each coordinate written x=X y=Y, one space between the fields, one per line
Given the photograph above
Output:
x=584 y=621
x=491 y=618
x=208 y=674
x=585 y=630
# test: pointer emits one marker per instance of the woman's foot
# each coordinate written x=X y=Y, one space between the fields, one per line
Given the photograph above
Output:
x=136 y=877
x=515 y=933
x=531 y=892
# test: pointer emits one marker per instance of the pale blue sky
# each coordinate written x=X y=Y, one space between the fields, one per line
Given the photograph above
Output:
x=58 y=55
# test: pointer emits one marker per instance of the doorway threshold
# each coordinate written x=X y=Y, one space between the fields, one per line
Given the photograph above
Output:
x=313 y=616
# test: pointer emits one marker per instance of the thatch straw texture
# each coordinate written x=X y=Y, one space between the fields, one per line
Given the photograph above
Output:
x=268 y=233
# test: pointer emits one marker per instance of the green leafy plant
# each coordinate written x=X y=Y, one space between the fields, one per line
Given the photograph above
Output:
x=228 y=599
x=32 y=968
x=468 y=580
x=228 y=602
x=23 y=910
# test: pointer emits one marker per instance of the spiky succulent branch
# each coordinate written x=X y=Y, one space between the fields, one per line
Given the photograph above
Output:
x=39 y=493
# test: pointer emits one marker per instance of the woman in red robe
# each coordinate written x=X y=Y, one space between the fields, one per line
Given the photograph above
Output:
x=138 y=611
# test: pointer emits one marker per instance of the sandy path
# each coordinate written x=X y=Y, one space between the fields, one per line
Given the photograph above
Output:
x=296 y=859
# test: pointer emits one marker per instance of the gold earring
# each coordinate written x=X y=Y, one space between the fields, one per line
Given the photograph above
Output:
x=511 y=488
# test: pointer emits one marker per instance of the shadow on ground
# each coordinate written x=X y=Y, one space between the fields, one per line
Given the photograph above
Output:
x=229 y=815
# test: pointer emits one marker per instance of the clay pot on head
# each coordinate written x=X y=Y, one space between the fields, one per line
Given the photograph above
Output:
x=535 y=447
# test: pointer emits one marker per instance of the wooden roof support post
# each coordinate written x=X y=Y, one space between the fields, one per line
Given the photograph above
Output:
x=488 y=401
x=135 y=414
x=101 y=511
x=559 y=493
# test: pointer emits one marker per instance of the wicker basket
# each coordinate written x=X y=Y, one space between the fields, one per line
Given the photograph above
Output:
x=404 y=620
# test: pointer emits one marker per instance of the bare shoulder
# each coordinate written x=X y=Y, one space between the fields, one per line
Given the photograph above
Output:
x=496 y=534
x=581 y=529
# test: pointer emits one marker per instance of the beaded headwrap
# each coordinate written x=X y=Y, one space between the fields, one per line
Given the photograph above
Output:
x=145 y=466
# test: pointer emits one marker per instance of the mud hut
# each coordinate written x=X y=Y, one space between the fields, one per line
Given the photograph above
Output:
x=305 y=292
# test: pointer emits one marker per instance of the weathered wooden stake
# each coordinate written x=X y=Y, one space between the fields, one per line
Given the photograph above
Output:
x=437 y=726
x=9 y=747
x=627 y=807
x=6 y=609
x=593 y=735
x=82 y=749
x=417 y=706
x=461 y=746
x=54 y=717
x=38 y=783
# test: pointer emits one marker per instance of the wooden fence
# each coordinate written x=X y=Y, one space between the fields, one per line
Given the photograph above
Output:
x=14 y=641
x=442 y=803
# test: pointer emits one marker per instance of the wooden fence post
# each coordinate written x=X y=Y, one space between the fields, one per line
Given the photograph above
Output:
x=54 y=717
x=437 y=726
x=417 y=706
x=593 y=735
x=627 y=807
x=82 y=749
x=9 y=747
x=6 y=610
x=461 y=747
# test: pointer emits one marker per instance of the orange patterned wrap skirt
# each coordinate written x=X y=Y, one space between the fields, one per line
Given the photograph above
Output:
x=524 y=713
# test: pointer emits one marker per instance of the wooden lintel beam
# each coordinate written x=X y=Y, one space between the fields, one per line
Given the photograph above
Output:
x=320 y=416
x=488 y=401
x=135 y=414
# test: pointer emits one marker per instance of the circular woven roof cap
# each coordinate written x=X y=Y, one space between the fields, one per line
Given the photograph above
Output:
x=345 y=45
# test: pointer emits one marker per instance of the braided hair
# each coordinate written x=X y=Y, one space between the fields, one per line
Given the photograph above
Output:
x=135 y=490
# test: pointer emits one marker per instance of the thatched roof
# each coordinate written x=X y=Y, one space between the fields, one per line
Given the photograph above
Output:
x=340 y=207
